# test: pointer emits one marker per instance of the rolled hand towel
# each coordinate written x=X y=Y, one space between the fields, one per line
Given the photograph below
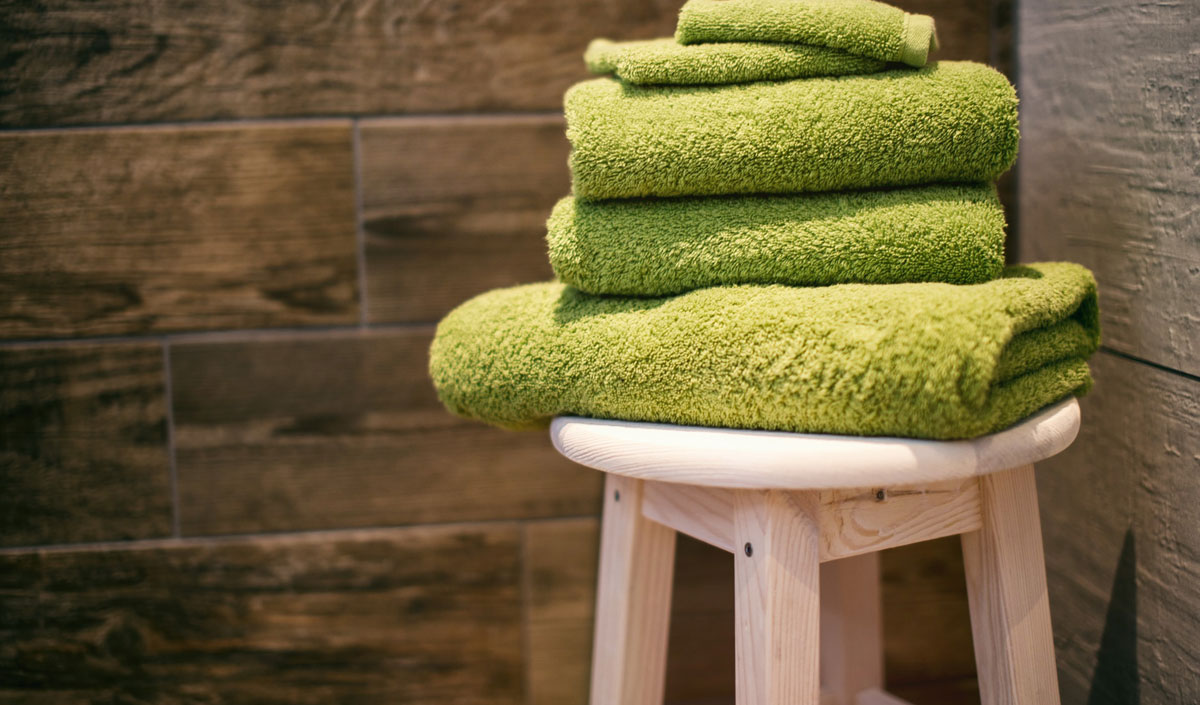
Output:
x=861 y=27
x=948 y=122
x=916 y=360
x=652 y=247
x=665 y=61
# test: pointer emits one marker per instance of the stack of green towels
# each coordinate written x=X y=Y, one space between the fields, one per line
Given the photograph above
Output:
x=782 y=218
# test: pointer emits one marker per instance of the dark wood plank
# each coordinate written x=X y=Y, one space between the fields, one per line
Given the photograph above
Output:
x=1108 y=162
x=1121 y=526
x=964 y=27
x=293 y=432
x=167 y=229
x=75 y=62
x=83 y=444
x=926 y=623
x=453 y=208
x=428 y=615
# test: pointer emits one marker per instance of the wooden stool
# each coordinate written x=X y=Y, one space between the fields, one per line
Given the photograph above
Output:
x=783 y=504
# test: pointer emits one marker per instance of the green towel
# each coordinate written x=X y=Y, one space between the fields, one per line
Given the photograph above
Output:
x=861 y=27
x=916 y=360
x=947 y=122
x=651 y=247
x=665 y=61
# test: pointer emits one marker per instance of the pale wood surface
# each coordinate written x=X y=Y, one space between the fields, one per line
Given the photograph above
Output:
x=455 y=207
x=1006 y=584
x=777 y=597
x=719 y=457
x=851 y=627
x=146 y=230
x=704 y=513
x=633 y=602
x=1108 y=162
x=872 y=519
x=876 y=696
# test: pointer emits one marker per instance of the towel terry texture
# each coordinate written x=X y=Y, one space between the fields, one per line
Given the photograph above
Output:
x=861 y=27
x=665 y=61
x=653 y=247
x=917 y=360
x=947 y=122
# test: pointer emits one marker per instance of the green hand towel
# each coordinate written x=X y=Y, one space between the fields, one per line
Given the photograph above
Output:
x=950 y=121
x=651 y=247
x=665 y=61
x=861 y=27
x=916 y=360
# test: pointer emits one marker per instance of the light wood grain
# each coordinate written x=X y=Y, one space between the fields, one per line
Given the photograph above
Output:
x=704 y=513
x=1121 y=523
x=872 y=519
x=296 y=431
x=851 y=627
x=71 y=62
x=428 y=615
x=83 y=444
x=876 y=696
x=720 y=457
x=1108 y=157
x=1006 y=584
x=455 y=207
x=633 y=601
x=110 y=232
x=777 y=598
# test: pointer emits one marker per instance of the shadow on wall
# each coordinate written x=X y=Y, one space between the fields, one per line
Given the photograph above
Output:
x=1115 y=680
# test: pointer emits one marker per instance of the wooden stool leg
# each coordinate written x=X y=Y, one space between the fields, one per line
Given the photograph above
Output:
x=777 y=597
x=851 y=628
x=633 y=600
x=1006 y=587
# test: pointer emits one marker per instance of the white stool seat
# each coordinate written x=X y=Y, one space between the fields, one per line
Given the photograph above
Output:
x=720 y=457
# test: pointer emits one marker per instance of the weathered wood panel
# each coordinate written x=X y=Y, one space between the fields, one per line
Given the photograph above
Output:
x=83 y=444
x=75 y=62
x=1109 y=108
x=1121 y=523
x=317 y=431
x=452 y=208
x=168 y=229
x=428 y=615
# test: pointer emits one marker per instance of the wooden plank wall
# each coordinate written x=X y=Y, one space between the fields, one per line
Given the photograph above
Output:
x=1110 y=109
x=227 y=230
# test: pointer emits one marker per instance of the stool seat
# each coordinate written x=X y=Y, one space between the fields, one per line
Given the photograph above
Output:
x=732 y=458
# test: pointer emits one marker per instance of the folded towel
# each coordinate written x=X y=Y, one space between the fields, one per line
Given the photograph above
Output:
x=860 y=27
x=651 y=247
x=950 y=121
x=916 y=360
x=665 y=61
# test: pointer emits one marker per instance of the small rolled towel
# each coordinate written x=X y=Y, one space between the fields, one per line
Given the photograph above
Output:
x=665 y=61
x=652 y=247
x=862 y=27
x=916 y=360
x=948 y=122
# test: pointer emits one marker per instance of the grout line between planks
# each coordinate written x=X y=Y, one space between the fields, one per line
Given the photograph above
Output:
x=222 y=335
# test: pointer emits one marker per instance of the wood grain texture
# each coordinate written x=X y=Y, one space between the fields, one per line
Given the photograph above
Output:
x=1121 y=521
x=74 y=62
x=927 y=626
x=777 y=597
x=83 y=444
x=454 y=207
x=287 y=432
x=1108 y=162
x=1006 y=587
x=851 y=628
x=169 y=229
x=427 y=615
x=633 y=601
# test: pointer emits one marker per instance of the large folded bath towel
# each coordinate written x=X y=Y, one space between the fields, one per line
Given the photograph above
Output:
x=916 y=360
x=950 y=121
x=651 y=247
x=665 y=61
x=860 y=27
